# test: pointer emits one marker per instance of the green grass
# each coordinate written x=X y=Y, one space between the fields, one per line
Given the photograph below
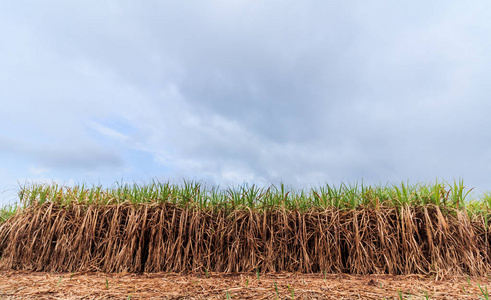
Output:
x=6 y=212
x=276 y=290
x=196 y=194
x=484 y=292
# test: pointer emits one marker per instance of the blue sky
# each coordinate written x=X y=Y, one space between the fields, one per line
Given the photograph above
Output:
x=303 y=92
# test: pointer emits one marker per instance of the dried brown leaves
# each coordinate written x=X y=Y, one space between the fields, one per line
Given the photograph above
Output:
x=166 y=238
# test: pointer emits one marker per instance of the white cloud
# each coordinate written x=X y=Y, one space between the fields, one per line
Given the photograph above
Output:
x=36 y=171
x=108 y=132
x=231 y=92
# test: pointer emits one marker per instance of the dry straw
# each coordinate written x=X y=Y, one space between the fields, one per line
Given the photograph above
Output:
x=423 y=229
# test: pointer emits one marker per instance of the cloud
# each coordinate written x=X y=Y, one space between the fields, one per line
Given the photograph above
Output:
x=230 y=91
x=61 y=156
x=37 y=171
x=108 y=132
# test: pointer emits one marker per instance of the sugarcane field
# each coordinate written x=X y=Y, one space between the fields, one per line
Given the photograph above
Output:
x=190 y=241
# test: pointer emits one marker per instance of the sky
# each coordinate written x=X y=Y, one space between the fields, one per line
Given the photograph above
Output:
x=230 y=92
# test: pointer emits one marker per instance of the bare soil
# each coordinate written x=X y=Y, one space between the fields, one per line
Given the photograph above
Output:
x=40 y=285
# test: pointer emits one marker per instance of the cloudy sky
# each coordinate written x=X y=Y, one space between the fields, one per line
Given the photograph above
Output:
x=232 y=91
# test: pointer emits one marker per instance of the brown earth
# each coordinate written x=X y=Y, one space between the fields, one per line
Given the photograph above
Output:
x=40 y=285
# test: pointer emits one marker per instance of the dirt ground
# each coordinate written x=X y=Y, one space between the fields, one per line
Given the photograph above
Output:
x=37 y=285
